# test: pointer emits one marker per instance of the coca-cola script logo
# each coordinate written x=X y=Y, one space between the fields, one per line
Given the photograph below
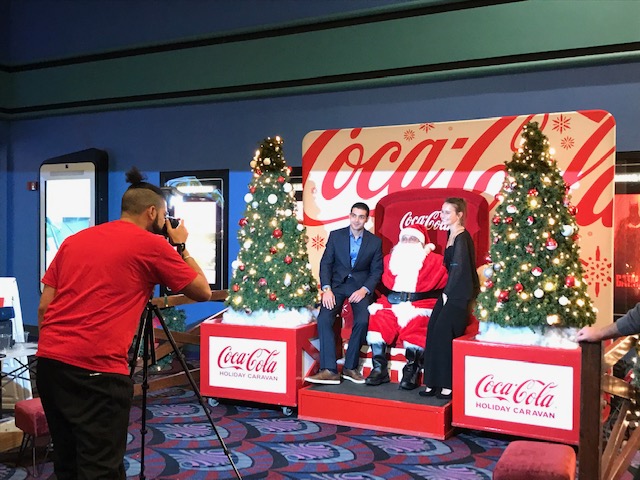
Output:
x=259 y=360
x=372 y=169
x=431 y=221
x=528 y=392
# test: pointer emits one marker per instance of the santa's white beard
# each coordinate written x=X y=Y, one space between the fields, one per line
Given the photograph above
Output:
x=405 y=262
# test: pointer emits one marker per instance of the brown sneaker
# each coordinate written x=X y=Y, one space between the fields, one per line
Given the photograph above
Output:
x=352 y=376
x=326 y=377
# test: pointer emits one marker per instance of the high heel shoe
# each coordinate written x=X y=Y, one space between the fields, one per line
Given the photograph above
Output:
x=444 y=396
x=431 y=393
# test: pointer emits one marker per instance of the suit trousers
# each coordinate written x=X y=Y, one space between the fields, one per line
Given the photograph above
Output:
x=326 y=319
x=88 y=417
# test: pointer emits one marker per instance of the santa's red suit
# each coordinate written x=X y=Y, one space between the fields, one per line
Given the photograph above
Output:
x=407 y=320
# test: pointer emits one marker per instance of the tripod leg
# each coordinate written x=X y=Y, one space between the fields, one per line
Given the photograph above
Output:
x=194 y=386
x=145 y=339
x=139 y=337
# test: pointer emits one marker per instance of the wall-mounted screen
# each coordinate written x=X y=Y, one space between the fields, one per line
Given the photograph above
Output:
x=70 y=199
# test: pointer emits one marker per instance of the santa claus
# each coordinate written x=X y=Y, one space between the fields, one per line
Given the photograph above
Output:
x=413 y=277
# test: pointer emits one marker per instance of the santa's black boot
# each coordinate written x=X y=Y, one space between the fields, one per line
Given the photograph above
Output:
x=411 y=369
x=379 y=374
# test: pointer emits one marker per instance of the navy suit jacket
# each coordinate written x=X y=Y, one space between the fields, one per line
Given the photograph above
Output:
x=335 y=265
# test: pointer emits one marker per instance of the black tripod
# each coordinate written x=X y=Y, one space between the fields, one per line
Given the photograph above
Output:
x=146 y=338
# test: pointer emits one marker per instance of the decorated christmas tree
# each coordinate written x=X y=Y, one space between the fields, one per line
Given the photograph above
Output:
x=533 y=276
x=272 y=272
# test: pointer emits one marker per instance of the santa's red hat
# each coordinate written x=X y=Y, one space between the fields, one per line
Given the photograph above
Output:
x=420 y=232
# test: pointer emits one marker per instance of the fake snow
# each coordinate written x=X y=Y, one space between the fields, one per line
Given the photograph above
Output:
x=287 y=318
x=554 y=337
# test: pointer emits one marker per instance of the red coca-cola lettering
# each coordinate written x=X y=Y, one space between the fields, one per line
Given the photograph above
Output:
x=431 y=221
x=259 y=360
x=528 y=392
x=388 y=169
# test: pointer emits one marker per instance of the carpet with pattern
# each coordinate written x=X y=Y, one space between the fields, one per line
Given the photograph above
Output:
x=180 y=443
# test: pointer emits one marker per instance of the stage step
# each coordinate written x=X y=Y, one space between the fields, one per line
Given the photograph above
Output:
x=385 y=408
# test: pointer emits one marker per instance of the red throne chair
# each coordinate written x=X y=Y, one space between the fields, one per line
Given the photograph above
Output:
x=400 y=209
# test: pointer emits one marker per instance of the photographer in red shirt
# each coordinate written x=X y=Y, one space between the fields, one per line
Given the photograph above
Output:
x=95 y=291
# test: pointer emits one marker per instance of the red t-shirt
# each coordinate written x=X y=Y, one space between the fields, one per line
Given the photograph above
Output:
x=103 y=277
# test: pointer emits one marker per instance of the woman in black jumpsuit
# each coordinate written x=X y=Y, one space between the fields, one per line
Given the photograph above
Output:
x=451 y=313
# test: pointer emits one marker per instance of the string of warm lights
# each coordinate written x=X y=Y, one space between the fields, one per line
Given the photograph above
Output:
x=272 y=270
x=533 y=274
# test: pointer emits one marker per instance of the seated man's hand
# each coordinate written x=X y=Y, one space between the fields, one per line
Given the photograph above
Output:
x=358 y=295
x=328 y=299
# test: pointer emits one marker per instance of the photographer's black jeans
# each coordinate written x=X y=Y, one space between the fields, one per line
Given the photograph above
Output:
x=88 y=417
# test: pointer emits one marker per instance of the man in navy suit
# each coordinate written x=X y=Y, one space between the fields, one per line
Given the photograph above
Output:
x=351 y=267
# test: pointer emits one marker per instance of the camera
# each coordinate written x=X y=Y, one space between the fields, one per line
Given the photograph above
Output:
x=174 y=224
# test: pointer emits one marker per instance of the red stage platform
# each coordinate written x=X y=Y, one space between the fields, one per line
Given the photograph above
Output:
x=385 y=408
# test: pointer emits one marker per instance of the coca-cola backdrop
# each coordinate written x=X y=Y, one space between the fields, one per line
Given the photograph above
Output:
x=341 y=167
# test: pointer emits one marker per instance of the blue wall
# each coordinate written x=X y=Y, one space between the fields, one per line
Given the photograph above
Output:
x=224 y=135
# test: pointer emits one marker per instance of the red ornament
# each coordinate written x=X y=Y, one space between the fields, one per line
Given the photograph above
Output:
x=570 y=281
x=503 y=296
x=277 y=233
x=529 y=248
x=262 y=282
x=533 y=192
x=273 y=297
x=235 y=287
x=573 y=210
x=496 y=220
x=518 y=287
x=508 y=219
x=281 y=306
x=575 y=238
x=280 y=179
x=488 y=283
x=551 y=244
x=487 y=259
x=530 y=220
x=241 y=267
x=242 y=222
x=252 y=189
x=288 y=259
x=258 y=171
x=273 y=250
x=536 y=271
